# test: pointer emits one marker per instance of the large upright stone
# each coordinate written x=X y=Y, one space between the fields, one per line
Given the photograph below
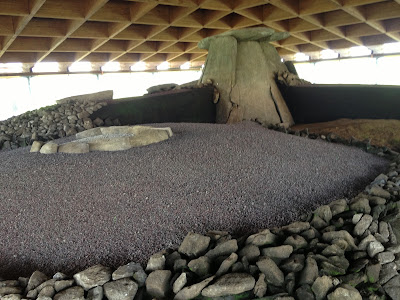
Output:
x=242 y=64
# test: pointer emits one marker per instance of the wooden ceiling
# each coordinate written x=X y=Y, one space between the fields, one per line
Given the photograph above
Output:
x=153 y=31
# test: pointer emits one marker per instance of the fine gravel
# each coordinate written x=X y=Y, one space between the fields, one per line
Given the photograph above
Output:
x=65 y=212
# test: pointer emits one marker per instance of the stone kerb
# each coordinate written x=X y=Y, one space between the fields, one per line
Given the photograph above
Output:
x=115 y=138
x=243 y=65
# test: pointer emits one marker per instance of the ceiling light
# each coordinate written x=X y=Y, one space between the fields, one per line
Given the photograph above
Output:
x=186 y=66
x=328 y=54
x=11 y=68
x=301 y=57
x=111 y=66
x=44 y=67
x=80 y=66
x=163 y=66
x=391 y=48
x=139 y=66
x=360 y=51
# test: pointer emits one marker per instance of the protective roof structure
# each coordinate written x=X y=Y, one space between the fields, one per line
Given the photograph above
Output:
x=155 y=31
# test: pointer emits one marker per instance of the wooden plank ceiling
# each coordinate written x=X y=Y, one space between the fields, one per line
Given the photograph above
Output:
x=154 y=31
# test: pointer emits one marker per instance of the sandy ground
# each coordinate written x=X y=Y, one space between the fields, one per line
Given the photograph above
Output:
x=380 y=132
x=64 y=212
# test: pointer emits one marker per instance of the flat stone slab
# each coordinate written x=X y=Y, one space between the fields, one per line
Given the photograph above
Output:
x=114 y=138
x=248 y=34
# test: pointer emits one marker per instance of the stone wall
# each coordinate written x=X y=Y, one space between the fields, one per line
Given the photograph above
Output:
x=69 y=116
x=348 y=249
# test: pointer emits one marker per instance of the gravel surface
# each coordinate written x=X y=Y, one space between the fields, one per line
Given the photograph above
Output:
x=65 y=212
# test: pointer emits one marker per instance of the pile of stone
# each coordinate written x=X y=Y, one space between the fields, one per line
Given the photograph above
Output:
x=67 y=117
x=347 y=249
x=289 y=79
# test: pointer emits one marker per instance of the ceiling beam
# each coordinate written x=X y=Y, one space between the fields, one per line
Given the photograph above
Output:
x=91 y=7
x=20 y=23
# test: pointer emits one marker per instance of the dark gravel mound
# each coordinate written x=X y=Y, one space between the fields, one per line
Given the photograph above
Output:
x=67 y=212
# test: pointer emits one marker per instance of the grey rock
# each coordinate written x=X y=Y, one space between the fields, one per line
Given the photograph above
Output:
x=260 y=289
x=342 y=234
x=49 y=148
x=354 y=279
x=47 y=283
x=13 y=297
x=388 y=271
x=265 y=237
x=140 y=277
x=271 y=271
x=330 y=269
x=35 y=280
x=72 y=293
x=11 y=283
x=60 y=285
x=93 y=276
x=384 y=230
x=372 y=272
x=31 y=294
x=96 y=293
x=324 y=212
x=379 y=192
x=360 y=205
x=296 y=227
x=238 y=267
x=47 y=291
x=339 y=261
x=200 y=266
x=121 y=289
x=296 y=241
x=251 y=252
x=295 y=263
x=304 y=292
x=98 y=122
x=333 y=250
x=156 y=262
x=338 y=206
x=171 y=258
x=194 y=290
x=358 y=264
x=380 y=179
x=385 y=257
x=394 y=249
x=365 y=242
x=363 y=225
x=74 y=147
x=357 y=218
x=179 y=283
x=318 y=223
x=321 y=287
x=157 y=283
x=36 y=145
x=345 y=292
x=392 y=287
x=226 y=264
x=230 y=284
x=310 y=272
x=179 y=264
x=376 y=201
x=126 y=271
x=6 y=290
x=279 y=252
x=194 y=245
x=374 y=248
x=225 y=248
